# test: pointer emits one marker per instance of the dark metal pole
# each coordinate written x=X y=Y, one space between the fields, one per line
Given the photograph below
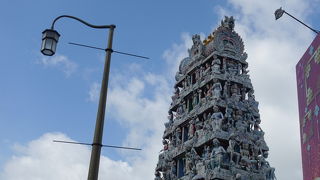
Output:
x=279 y=12
x=317 y=32
x=97 y=139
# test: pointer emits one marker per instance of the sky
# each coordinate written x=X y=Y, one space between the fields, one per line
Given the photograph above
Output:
x=44 y=99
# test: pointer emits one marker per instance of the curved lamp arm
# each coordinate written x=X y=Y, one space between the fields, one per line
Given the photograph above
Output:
x=82 y=21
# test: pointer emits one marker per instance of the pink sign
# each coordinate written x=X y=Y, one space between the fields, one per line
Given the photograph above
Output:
x=308 y=84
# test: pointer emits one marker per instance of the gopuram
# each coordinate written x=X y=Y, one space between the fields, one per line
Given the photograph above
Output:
x=213 y=130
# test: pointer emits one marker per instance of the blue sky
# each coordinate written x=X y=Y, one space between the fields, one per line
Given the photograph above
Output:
x=39 y=95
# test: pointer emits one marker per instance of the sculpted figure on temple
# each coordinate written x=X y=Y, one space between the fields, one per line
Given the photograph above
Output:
x=189 y=163
x=195 y=99
x=255 y=156
x=244 y=69
x=232 y=69
x=180 y=110
x=157 y=174
x=239 y=68
x=241 y=124
x=235 y=94
x=207 y=128
x=216 y=65
x=165 y=144
x=207 y=69
x=224 y=66
x=217 y=154
x=226 y=89
x=202 y=74
x=208 y=92
x=228 y=22
x=243 y=93
x=192 y=129
x=194 y=156
x=233 y=154
x=197 y=74
x=229 y=116
x=189 y=83
x=173 y=142
x=238 y=177
x=265 y=166
x=178 y=76
x=206 y=152
x=252 y=102
x=217 y=118
x=216 y=89
x=170 y=116
x=244 y=151
x=199 y=98
x=173 y=169
x=184 y=84
x=178 y=136
x=197 y=47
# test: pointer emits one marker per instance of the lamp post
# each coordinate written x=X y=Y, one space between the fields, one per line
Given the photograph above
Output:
x=279 y=12
x=49 y=42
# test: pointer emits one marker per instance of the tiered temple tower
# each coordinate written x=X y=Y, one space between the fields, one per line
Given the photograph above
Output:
x=213 y=130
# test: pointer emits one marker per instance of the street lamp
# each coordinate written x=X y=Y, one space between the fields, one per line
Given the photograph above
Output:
x=50 y=39
x=279 y=12
x=49 y=42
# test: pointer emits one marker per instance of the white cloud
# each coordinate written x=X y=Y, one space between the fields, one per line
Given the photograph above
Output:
x=177 y=52
x=94 y=92
x=41 y=159
x=61 y=62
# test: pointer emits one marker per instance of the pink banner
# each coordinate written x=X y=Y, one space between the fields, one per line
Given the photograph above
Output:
x=308 y=84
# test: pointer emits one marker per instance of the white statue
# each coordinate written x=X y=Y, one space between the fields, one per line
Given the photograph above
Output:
x=217 y=118
x=216 y=89
x=215 y=65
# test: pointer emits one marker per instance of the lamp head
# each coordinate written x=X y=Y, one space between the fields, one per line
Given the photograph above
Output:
x=50 y=39
x=278 y=13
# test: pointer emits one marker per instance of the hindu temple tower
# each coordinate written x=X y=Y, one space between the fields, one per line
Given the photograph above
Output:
x=214 y=129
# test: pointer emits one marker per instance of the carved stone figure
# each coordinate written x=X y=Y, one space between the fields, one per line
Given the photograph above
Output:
x=241 y=124
x=217 y=118
x=232 y=69
x=207 y=69
x=195 y=99
x=157 y=174
x=252 y=102
x=235 y=94
x=197 y=47
x=216 y=89
x=208 y=92
x=244 y=151
x=228 y=22
x=200 y=97
x=264 y=165
x=173 y=169
x=233 y=154
x=178 y=136
x=189 y=163
x=217 y=154
x=192 y=129
x=226 y=90
x=165 y=144
x=170 y=116
x=229 y=116
x=216 y=65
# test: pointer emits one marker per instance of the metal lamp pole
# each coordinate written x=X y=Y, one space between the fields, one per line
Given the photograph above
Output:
x=98 y=133
x=279 y=12
x=49 y=43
